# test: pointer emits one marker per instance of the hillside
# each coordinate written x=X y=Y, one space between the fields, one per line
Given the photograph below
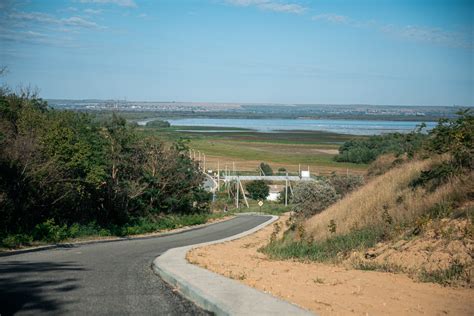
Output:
x=414 y=214
x=428 y=234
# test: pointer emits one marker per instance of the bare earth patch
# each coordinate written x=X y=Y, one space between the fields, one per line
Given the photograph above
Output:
x=329 y=289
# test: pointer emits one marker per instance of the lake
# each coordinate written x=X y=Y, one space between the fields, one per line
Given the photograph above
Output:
x=355 y=127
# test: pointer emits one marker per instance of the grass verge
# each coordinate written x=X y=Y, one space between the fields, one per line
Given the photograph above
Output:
x=333 y=249
x=50 y=232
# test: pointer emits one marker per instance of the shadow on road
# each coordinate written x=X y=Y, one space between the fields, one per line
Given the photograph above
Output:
x=25 y=285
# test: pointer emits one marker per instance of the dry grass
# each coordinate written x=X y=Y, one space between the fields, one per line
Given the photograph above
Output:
x=385 y=198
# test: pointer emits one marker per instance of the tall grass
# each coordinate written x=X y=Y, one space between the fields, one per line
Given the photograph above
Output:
x=385 y=199
x=331 y=249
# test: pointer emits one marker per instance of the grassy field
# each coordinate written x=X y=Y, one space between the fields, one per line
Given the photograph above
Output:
x=247 y=149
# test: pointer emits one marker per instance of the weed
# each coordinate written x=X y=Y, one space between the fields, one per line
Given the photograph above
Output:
x=318 y=280
x=447 y=276
x=332 y=249
x=332 y=226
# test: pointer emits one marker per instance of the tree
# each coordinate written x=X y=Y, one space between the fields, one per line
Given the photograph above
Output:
x=258 y=189
x=266 y=169
x=455 y=137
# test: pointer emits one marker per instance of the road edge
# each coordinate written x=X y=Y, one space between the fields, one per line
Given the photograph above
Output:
x=113 y=239
x=233 y=298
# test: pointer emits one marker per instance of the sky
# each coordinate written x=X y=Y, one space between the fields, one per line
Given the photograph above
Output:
x=400 y=52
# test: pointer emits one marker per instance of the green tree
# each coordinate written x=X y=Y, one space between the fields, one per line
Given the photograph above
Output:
x=258 y=189
x=266 y=169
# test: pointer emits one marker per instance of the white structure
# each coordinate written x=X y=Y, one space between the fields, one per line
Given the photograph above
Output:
x=273 y=196
x=305 y=174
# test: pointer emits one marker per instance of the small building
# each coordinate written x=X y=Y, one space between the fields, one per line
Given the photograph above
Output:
x=305 y=174
x=275 y=191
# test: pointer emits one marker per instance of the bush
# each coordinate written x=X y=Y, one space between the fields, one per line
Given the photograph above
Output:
x=15 y=241
x=367 y=150
x=344 y=184
x=50 y=232
x=267 y=170
x=258 y=189
x=158 y=123
x=312 y=197
x=436 y=176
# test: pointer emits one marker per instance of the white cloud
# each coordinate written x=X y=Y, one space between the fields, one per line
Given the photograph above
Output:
x=430 y=35
x=92 y=11
x=333 y=18
x=409 y=32
x=34 y=37
x=121 y=3
x=270 y=5
x=43 y=18
x=79 y=22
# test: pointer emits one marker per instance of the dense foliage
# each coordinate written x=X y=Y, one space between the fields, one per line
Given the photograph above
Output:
x=258 y=189
x=454 y=138
x=158 y=123
x=367 y=150
x=311 y=197
x=266 y=169
x=60 y=167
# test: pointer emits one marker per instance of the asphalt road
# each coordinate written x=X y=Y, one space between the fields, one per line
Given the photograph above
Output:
x=105 y=278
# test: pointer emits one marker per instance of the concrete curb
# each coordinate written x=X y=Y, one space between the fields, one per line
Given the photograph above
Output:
x=115 y=239
x=217 y=293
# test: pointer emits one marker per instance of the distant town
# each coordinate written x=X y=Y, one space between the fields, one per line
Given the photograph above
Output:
x=245 y=110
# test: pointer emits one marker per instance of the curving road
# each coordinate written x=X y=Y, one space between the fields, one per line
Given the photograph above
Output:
x=112 y=278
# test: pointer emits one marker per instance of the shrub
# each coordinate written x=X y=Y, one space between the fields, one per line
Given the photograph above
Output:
x=15 y=241
x=455 y=137
x=50 y=232
x=313 y=197
x=436 y=176
x=267 y=170
x=367 y=150
x=344 y=184
x=258 y=189
x=158 y=123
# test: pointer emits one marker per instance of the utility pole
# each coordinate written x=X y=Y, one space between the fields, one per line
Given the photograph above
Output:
x=286 y=190
x=238 y=191
x=218 y=177
x=204 y=165
x=233 y=168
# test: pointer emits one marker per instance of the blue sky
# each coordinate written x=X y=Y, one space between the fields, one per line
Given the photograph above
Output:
x=407 y=52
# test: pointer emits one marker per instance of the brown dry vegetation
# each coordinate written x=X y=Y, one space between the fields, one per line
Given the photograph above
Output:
x=429 y=248
x=388 y=195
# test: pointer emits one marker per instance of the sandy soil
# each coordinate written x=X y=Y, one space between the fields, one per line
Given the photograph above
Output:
x=328 y=289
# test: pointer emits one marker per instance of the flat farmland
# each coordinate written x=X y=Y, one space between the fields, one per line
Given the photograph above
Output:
x=247 y=149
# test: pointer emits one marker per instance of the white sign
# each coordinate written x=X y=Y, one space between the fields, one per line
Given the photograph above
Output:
x=304 y=173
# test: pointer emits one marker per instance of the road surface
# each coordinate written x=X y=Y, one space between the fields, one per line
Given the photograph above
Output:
x=105 y=278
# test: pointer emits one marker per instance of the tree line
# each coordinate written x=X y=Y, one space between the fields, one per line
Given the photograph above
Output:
x=66 y=167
